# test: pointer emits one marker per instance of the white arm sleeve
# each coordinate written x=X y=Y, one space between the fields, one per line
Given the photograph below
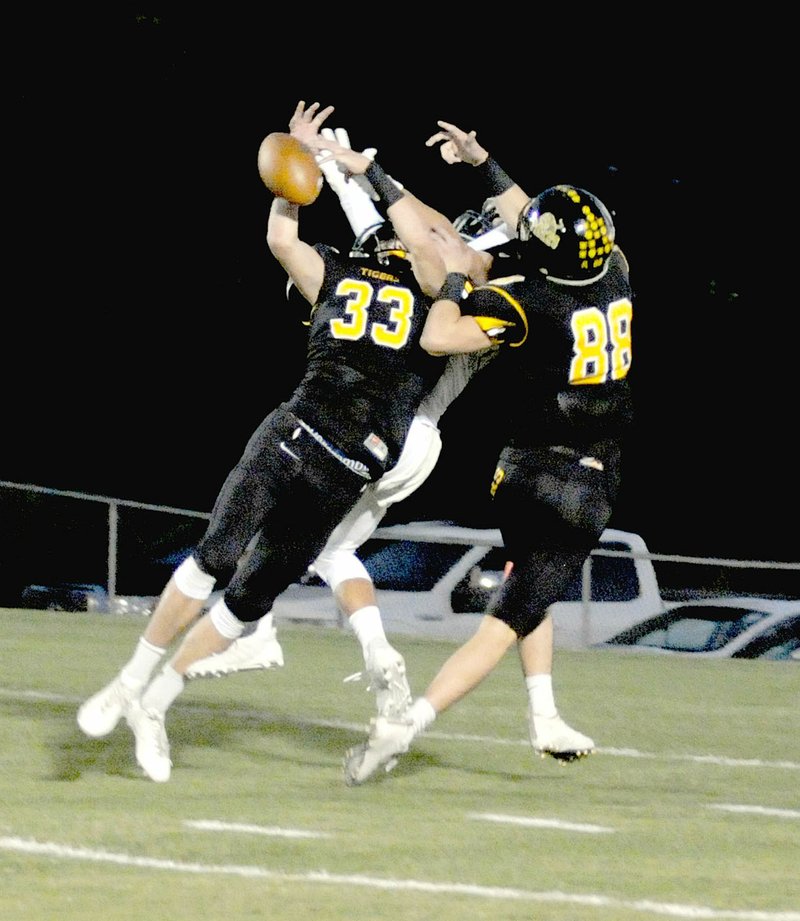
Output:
x=359 y=211
x=356 y=203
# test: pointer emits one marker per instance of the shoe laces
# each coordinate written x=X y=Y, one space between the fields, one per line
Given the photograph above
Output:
x=155 y=722
x=117 y=695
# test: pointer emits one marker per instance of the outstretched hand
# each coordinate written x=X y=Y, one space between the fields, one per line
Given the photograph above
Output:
x=337 y=175
x=458 y=146
x=354 y=163
x=306 y=122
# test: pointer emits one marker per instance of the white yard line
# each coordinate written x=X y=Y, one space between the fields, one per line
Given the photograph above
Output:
x=528 y=822
x=757 y=810
x=269 y=831
x=50 y=849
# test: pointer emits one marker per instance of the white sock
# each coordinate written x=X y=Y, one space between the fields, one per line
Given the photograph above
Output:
x=421 y=714
x=163 y=690
x=367 y=626
x=540 y=695
x=142 y=664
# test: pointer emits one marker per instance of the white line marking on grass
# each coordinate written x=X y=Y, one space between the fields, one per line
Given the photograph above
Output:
x=757 y=810
x=701 y=759
x=615 y=752
x=213 y=825
x=672 y=910
x=256 y=715
x=539 y=823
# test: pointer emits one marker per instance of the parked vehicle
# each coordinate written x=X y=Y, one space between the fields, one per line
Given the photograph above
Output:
x=434 y=570
x=737 y=627
x=65 y=596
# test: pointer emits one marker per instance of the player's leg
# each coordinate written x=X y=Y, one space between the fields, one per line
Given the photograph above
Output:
x=190 y=586
x=339 y=565
x=461 y=673
x=554 y=508
x=309 y=493
x=549 y=734
x=257 y=648
x=180 y=603
x=353 y=589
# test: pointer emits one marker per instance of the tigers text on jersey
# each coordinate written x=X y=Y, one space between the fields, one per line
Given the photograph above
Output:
x=366 y=372
x=567 y=351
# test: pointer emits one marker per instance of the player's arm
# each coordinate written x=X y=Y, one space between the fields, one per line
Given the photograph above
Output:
x=419 y=227
x=411 y=221
x=302 y=262
x=354 y=193
x=459 y=146
x=447 y=330
x=415 y=224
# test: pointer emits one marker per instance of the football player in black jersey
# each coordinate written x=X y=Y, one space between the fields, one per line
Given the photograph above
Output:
x=339 y=564
x=561 y=322
x=304 y=466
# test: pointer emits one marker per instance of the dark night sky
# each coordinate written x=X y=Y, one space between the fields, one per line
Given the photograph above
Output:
x=146 y=330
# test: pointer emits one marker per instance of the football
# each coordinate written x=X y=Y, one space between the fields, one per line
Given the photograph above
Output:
x=289 y=169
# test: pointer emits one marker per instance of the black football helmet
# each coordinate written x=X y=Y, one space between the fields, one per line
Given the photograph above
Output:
x=567 y=234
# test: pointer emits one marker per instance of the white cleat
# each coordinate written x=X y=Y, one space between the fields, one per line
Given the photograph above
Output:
x=550 y=735
x=386 y=670
x=387 y=739
x=152 y=745
x=256 y=650
x=98 y=715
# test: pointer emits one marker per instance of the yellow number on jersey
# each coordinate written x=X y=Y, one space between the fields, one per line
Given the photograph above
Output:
x=592 y=363
x=360 y=295
x=396 y=335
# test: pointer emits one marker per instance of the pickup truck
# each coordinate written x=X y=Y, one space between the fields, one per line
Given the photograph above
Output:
x=436 y=571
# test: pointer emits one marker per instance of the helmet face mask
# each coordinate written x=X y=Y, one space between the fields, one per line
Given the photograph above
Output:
x=485 y=230
x=567 y=234
x=359 y=248
x=472 y=224
x=384 y=248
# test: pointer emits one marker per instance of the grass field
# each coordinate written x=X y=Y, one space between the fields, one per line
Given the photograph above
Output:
x=689 y=809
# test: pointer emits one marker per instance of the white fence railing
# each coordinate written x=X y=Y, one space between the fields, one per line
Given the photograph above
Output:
x=113 y=563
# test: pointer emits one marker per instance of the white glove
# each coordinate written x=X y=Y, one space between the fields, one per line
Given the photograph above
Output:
x=336 y=177
x=355 y=193
x=341 y=136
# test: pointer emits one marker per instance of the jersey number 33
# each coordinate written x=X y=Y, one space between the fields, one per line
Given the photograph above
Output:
x=393 y=334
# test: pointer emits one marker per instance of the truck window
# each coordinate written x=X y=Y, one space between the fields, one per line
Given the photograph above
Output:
x=409 y=565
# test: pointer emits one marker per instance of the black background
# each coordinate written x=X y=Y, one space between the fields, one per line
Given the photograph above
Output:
x=146 y=330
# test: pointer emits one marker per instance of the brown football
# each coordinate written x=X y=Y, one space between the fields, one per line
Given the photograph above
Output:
x=288 y=168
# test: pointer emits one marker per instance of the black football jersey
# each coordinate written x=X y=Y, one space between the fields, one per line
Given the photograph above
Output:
x=366 y=372
x=565 y=352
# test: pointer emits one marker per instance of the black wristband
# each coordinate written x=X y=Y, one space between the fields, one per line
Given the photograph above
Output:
x=496 y=178
x=385 y=189
x=453 y=287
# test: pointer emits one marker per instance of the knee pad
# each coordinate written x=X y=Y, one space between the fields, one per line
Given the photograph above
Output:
x=225 y=621
x=192 y=581
x=338 y=566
